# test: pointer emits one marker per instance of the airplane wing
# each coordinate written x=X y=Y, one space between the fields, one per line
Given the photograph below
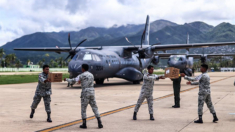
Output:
x=53 y=49
x=186 y=46
x=215 y=55
x=166 y=55
x=196 y=56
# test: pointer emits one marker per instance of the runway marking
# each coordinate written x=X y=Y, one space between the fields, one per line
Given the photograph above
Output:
x=117 y=110
x=203 y=112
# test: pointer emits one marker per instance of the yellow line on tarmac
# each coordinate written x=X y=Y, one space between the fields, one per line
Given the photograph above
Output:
x=117 y=110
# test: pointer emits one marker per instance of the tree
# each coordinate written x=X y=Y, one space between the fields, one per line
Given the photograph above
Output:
x=18 y=63
x=47 y=55
x=10 y=60
x=2 y=53
x=28 y=61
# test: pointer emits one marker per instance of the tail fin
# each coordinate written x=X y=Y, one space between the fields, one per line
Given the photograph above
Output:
x=145 y=35
x=187 y=42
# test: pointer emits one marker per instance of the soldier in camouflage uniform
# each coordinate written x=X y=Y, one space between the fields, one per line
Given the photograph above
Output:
x=147 y=91
x=43 y=91
x=88 y=94
x=204 y=94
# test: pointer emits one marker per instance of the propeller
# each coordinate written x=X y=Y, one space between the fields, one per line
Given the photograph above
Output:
x=72 y=52
x=203 y=57
x=129 y=41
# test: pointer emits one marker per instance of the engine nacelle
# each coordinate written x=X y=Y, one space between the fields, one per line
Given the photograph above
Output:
x=189 y=62
x=203 y=59
x=155 y=60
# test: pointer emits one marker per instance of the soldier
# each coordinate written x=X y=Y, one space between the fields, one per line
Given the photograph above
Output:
x=147 y=91
x=88 y=94
x=177 y=85
x=43 y=91
x=204 y=94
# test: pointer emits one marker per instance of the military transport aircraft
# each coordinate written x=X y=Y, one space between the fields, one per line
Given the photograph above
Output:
x=184 y=61
x=125 y=62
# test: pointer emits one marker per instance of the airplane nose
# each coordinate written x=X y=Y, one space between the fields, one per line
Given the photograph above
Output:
x=75 y=68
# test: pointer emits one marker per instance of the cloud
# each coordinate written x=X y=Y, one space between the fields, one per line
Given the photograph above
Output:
x=23 y=17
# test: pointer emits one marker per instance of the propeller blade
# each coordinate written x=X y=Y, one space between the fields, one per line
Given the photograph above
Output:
x=69 y=41
x=129 y=41
x=80 y=43
x=141 y=68
x=72 y=56
x=67 y=57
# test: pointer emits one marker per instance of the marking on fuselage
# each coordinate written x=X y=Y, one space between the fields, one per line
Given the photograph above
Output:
x=118 y=110
x=75 y=66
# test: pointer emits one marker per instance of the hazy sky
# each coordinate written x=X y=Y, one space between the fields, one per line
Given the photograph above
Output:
x=21 y=17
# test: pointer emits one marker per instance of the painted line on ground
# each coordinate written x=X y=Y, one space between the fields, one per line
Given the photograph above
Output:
x=117 y=110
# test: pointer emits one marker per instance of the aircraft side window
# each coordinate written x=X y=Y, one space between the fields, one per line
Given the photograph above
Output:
x=87 y=57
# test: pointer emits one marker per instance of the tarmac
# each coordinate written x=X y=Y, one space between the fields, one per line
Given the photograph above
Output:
x=116 y=100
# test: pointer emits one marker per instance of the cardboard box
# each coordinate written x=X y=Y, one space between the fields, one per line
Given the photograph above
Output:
x=55 y=77
x=172 y=73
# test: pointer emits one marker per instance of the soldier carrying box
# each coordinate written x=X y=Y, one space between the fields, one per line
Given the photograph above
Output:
x=43 y=91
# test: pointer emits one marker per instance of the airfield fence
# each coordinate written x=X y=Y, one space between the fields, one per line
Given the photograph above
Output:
x=32 y=69
x=227 y=69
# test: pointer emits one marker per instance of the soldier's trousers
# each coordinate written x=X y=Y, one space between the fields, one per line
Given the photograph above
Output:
x=149 y=98
x=88 y=97
x=46 y=99
x=205 y=98
x=176 y=87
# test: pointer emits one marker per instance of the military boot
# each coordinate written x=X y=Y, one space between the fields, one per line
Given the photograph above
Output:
x=199 y=120
x=151 y=117
x=32 y=112
x=49 y=117
x=177 y=103
x=134 y=116
x=215 y=117
x=83 y=124
x=99 y=122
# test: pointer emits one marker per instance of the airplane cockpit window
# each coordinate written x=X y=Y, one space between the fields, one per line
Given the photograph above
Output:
x=96 y=57
x=75 y=57
x=87 y=57
x=176 y=58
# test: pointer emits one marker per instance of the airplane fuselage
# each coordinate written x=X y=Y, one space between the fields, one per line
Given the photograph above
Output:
x=108 y=63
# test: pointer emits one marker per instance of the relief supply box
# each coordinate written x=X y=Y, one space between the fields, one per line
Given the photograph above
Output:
x=55 y=77
x=172 y=73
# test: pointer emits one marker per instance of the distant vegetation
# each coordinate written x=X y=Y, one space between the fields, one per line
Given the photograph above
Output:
x=11 y=60
x=15 y=79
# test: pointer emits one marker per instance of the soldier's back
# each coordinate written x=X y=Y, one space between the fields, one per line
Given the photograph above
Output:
x=87 y=80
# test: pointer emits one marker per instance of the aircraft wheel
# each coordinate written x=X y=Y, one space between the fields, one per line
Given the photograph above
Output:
x=99 y=81
x=136 y=82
